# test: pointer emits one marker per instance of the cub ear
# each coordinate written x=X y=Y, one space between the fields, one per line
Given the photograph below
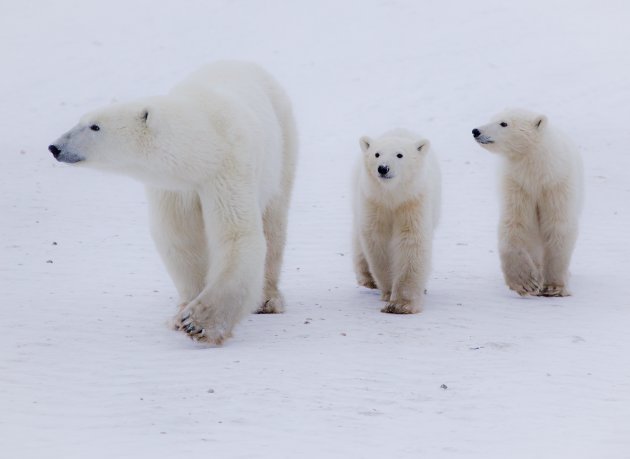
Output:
x=145 y=115
x=540 y=121
x=422 y=145
x=365 y=143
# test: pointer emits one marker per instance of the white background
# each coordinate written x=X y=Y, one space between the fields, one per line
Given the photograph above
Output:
x=88 y=367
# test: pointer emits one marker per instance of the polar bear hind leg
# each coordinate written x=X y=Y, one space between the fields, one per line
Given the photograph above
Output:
x=275 y=228
x=275 y=217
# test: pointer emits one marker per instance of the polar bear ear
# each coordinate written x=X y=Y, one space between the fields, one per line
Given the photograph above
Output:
x=540 y=121
x=422 y=145
x=365 y=143
x=144 y=116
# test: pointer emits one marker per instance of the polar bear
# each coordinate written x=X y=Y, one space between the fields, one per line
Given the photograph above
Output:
x=541 y=194
x=397 y=193
x=218 y=156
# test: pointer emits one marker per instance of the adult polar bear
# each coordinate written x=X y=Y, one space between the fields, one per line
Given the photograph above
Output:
x=217 y=155
x=541 y=192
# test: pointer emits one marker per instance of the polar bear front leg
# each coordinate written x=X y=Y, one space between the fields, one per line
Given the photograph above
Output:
x=235 y=277
x=178 y=232
x=518 y=240
x=411 y=261
x=361 y=267
x=375 y=246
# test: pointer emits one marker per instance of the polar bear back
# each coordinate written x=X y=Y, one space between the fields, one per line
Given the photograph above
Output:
x=252 y=109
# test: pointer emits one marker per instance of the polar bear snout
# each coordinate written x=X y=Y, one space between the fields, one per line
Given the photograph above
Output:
x=64 y=156
x=483 y=139
x=383 y=170
x=54 y=150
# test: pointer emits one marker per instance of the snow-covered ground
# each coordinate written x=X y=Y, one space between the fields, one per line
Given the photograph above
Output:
x=88 y=367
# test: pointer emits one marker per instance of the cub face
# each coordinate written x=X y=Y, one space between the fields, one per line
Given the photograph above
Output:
x=510 y=131
x=391 y=161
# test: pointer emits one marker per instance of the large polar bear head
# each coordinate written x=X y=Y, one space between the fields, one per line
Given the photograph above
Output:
x=140 y=138
x=511 y=132
x=393 y=160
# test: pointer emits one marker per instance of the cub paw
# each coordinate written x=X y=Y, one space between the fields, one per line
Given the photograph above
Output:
x=521 y=274
x=367 y=283
x=365 y=279
x=554 y=290
x=524 y=282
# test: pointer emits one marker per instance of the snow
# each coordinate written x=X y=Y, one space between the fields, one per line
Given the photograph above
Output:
x=88 y=367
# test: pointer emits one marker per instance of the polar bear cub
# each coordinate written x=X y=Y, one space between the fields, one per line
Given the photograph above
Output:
x=541 y=200
x=217 y=155
x=397 y=193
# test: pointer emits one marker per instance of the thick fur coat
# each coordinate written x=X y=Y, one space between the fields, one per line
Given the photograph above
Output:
x=397 y=192
x=541 y=200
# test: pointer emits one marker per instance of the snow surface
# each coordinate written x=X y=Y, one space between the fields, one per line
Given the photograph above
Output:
x=88 y=367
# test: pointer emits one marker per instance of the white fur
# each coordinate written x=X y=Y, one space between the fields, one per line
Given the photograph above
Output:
x=395 y=216
x=541 y=194
x=218 y=157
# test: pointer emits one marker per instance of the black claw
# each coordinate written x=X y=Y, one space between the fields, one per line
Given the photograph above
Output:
x=190 y=328
x=186 y=317
x=198 y=335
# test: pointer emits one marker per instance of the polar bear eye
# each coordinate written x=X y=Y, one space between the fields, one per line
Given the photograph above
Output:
x=95 y=127
x=377 y=155
x=399 y=155
x=503 y=124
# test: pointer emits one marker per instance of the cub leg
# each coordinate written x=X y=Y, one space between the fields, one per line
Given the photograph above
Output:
x=519 y=236
x=411 y=260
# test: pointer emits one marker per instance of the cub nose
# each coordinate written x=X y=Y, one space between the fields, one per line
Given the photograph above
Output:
x=383 y=170
x=476 y=133
x=54 y=150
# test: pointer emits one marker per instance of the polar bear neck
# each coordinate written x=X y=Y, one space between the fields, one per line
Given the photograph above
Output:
x=539 y=165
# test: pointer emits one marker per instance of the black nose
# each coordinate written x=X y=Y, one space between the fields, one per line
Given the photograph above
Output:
x=476 y=133
x=383 y=170
x=54 y=150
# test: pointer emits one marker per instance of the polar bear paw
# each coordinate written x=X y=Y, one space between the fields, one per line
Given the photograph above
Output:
x=368 y=283
x=554 y=290
x=366 y=280
x=524 y=279
x=521 y=274
x=196 y=320
x=525 y=285
x=401 y=308
x=272 y=305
